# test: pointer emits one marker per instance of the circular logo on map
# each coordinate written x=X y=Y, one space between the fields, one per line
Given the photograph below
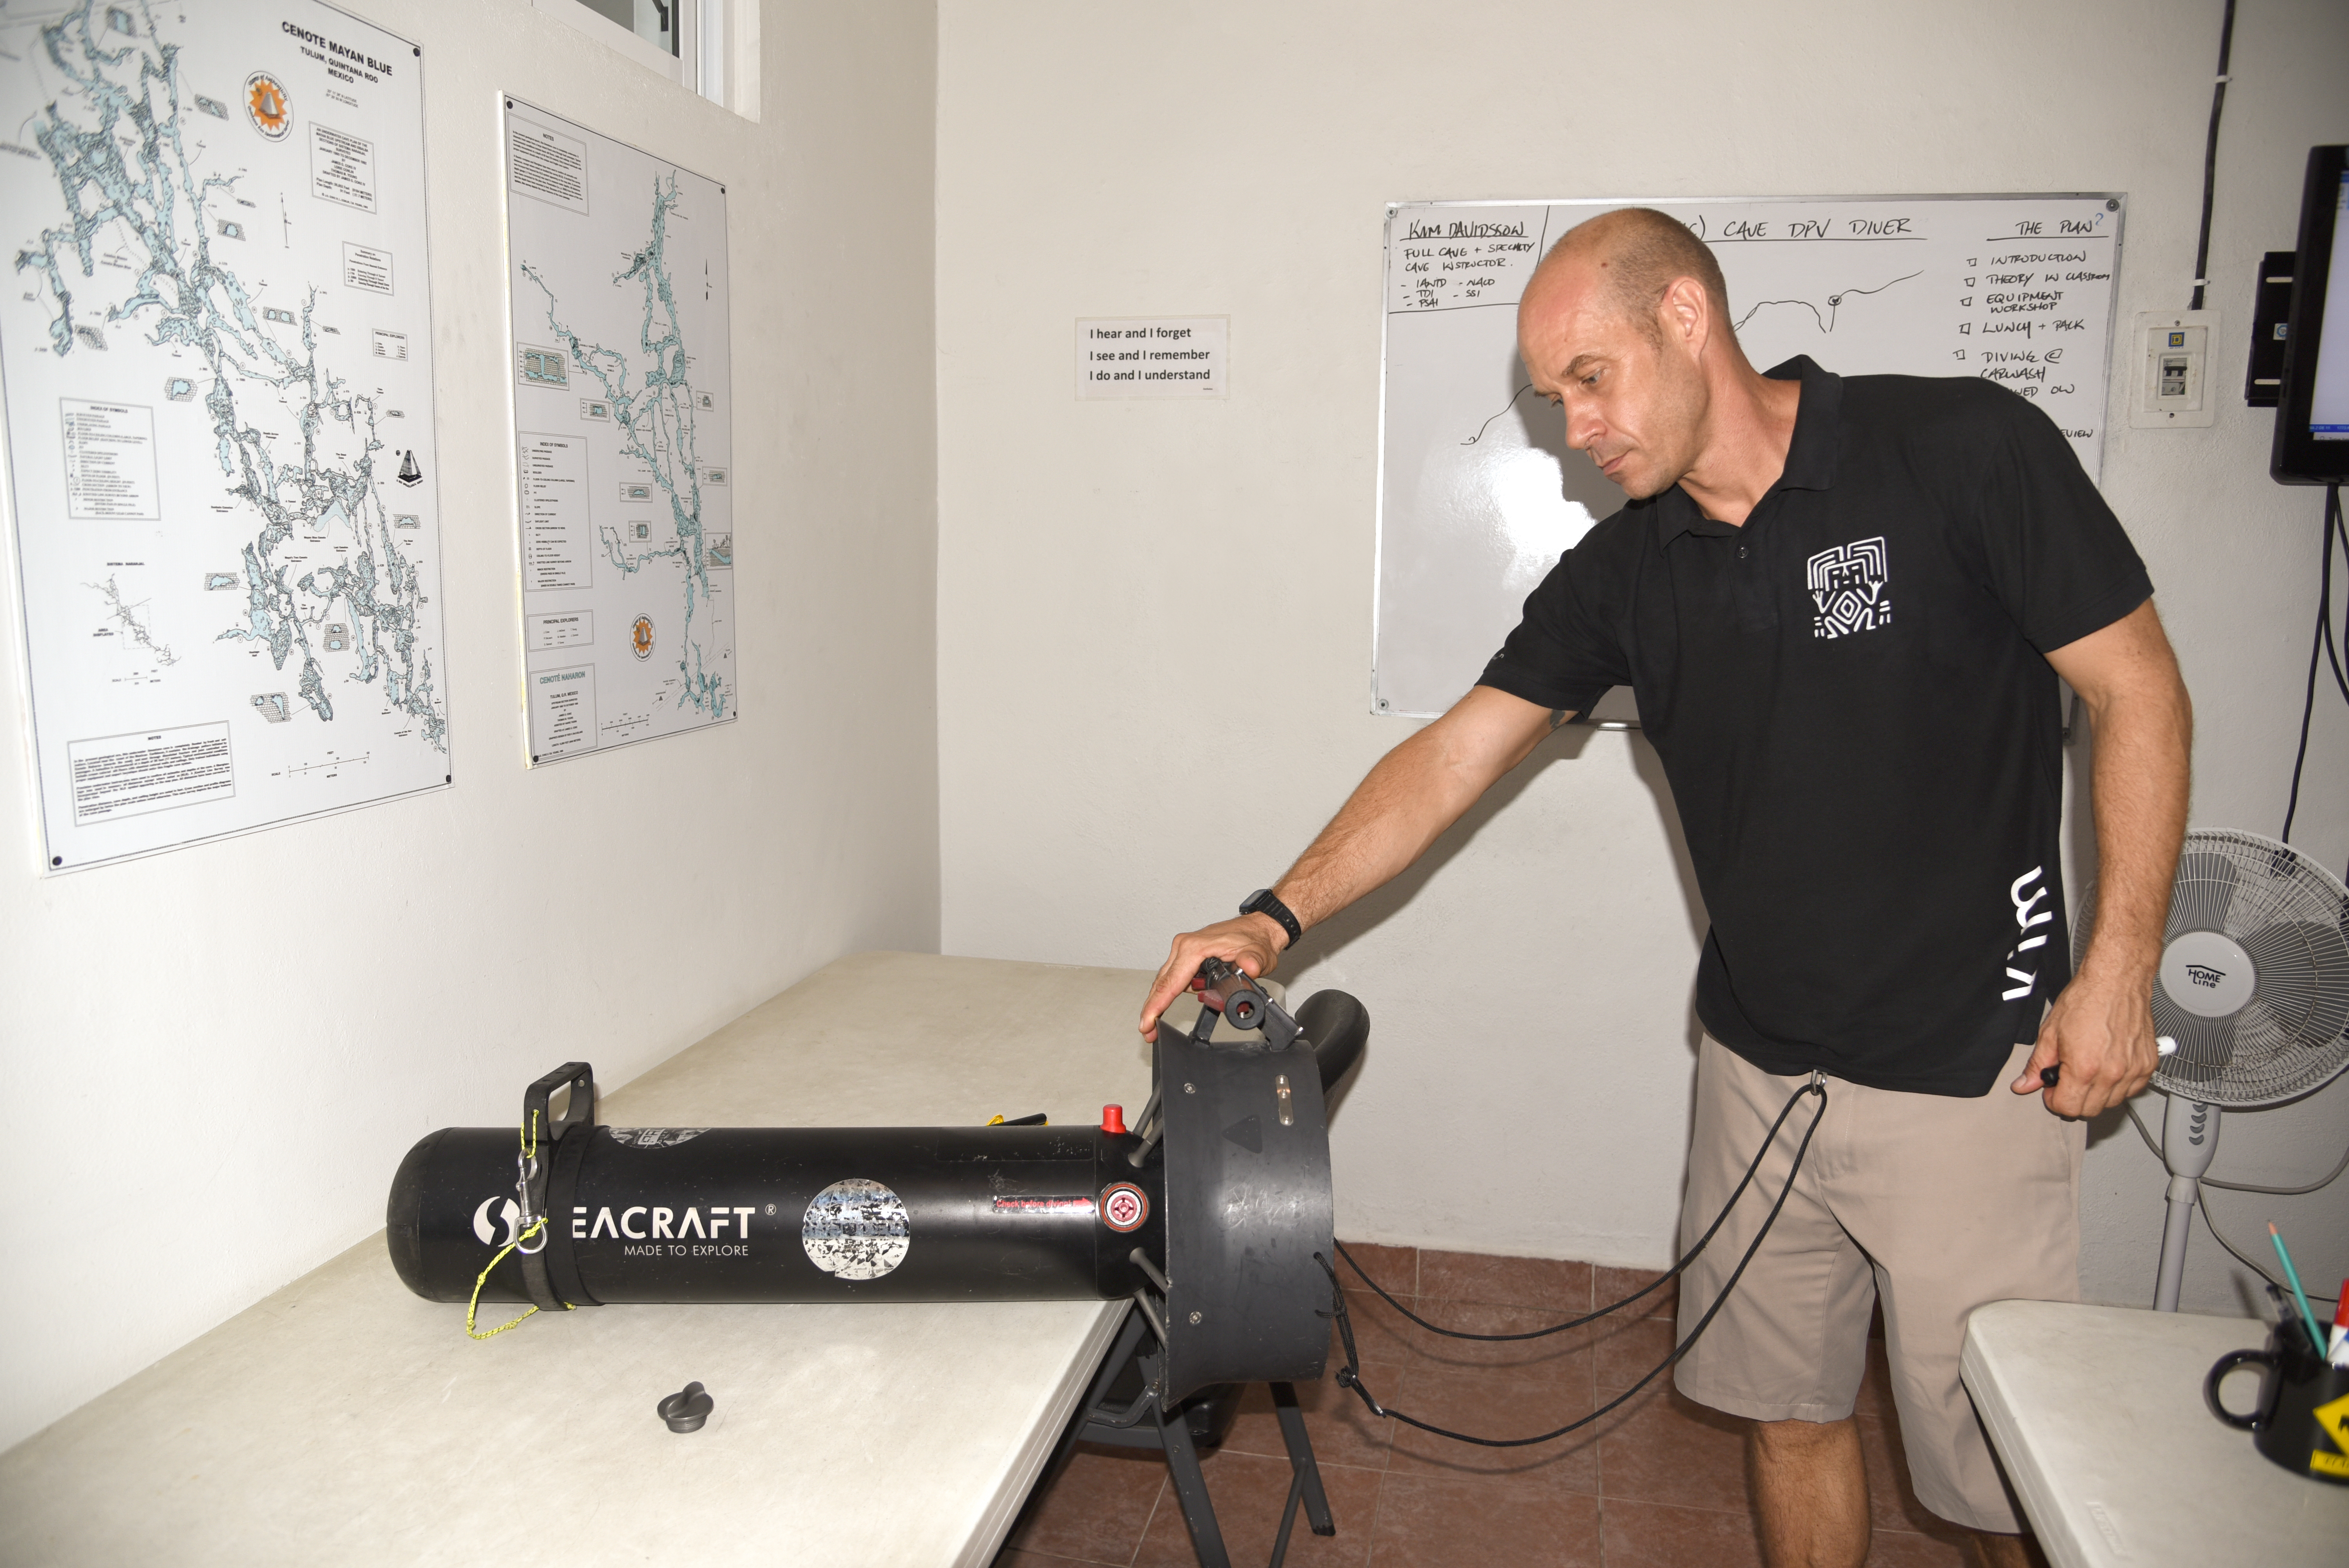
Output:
x=264 y=100
x=640 y=636
x=1123 y=1206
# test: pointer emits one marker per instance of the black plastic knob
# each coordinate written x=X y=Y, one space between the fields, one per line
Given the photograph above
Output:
x=686 y=1411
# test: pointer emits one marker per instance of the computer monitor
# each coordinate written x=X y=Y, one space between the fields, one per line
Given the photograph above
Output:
x=2312 y=433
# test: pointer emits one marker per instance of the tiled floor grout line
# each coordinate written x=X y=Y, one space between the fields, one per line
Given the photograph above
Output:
x=1597 y=1448
x=1148 y=1519
x=1371 y=1537
x=1080 y=1562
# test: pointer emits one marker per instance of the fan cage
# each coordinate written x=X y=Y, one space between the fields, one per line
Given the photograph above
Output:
x=2291 y=915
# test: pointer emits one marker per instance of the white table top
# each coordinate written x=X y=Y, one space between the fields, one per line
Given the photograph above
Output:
x=2097 y=1414
x=344 y=1420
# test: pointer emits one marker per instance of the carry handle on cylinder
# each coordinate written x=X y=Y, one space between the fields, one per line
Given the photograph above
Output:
x=580 y=1079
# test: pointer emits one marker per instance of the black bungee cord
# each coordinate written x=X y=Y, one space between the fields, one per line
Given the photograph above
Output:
x=1350 y=1375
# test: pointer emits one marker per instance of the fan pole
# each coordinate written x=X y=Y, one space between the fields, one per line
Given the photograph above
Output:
x=2189 y=1137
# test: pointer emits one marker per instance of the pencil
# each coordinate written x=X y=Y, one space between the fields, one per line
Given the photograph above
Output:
x=2298 y=1294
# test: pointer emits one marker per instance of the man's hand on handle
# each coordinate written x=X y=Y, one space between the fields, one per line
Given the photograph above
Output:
x=1251 y=942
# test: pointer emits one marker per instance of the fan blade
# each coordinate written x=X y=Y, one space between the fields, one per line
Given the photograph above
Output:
x=2303 y=978
x=2205 y=1047
x=2244 y=906
x=2203 y=892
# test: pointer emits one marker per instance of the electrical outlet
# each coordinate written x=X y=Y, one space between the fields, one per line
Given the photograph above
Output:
x=2173 y=369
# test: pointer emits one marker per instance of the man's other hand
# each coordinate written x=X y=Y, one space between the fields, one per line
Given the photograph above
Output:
x=2101 y=1035
x=1251 y=942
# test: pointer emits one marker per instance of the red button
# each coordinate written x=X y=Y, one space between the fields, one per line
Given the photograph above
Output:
x=1114 y=1119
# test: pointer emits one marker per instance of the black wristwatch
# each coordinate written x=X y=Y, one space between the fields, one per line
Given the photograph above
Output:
x=1261 y=901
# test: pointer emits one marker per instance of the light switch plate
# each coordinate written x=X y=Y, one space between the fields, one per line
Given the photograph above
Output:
x=2172 y=387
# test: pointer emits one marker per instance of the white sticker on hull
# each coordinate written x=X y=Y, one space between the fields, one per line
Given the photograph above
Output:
x=855 y=1230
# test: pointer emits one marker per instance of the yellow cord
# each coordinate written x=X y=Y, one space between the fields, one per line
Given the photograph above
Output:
x=474 y=1306
x=529 y=1151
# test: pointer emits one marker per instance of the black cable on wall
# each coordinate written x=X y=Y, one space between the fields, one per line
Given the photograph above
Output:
x=2324 y=650
x=2210 y=154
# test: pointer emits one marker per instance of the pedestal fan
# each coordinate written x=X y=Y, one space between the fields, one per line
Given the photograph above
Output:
x=2253 y=987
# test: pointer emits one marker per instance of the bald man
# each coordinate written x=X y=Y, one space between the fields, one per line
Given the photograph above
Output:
x=1842 y=604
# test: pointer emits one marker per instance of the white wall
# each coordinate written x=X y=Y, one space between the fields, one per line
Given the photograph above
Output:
x=210 y=1061
x=1527 y=1086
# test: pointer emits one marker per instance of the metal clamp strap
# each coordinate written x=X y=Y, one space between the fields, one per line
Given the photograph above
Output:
x=530 y=1183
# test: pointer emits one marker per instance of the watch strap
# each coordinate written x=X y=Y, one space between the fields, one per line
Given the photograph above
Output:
x=1262 y=902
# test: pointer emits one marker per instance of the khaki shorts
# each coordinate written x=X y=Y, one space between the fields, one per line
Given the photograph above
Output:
x=1934 y=1205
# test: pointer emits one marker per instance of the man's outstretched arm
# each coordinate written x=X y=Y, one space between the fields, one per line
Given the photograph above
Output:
x=1417 y=791
x=2101 y=1029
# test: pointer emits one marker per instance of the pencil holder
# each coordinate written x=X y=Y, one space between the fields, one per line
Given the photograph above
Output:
x=2300 y=1419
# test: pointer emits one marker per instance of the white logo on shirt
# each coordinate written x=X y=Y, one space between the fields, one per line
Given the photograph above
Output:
x=2026 y=917
x=1848 y=589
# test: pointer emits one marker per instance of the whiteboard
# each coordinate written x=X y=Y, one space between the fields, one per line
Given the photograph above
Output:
x=1478 y=492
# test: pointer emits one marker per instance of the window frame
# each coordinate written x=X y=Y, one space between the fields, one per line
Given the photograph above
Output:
x=699 y=63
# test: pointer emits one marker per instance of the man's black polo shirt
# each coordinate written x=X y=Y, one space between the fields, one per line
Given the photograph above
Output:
x=1851 y=701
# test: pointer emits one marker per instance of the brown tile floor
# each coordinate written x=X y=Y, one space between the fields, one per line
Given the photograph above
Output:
x=1658 y=1484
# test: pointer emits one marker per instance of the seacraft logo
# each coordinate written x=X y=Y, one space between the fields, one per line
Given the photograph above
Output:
x=486 y=1220
x=644 y=1230
x=2202 y=974
x=654 y=1223
x=485 y=1225
x=638 y=1223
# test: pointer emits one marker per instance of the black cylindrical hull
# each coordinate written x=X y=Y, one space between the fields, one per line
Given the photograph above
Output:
x=771 y=1214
